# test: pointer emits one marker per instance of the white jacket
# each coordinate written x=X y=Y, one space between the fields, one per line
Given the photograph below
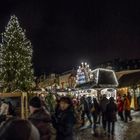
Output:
x=4 y=109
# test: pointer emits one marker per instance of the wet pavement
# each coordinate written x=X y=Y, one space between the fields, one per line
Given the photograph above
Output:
x=123 y=131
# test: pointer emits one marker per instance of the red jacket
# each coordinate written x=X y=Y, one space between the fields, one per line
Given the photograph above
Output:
x=120 y=105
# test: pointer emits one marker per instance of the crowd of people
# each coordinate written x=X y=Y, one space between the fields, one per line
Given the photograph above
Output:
x=59 y=124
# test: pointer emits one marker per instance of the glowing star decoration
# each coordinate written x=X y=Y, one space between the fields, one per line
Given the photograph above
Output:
x=84 y=74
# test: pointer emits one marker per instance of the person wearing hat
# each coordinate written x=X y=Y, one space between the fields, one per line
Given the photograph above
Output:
x=40 y=118
x=111 y=111
x=64 y=120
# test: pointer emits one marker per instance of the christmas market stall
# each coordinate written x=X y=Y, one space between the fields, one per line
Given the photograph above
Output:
x=19 y=101
x=103 y=80
x=129 y=82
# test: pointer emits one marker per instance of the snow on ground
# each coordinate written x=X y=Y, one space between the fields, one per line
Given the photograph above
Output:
x=123 y=131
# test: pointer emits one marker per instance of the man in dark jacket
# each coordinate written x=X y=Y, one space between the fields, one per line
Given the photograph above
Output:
x=85 y=111
x=40 y=118
x=103 y=104
x=111 y=110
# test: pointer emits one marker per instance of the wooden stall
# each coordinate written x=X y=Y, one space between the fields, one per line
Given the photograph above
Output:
x=22 y=109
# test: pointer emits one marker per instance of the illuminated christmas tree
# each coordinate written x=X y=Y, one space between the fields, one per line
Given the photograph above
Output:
x=16 y=58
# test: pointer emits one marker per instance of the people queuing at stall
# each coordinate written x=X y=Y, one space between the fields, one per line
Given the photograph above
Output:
x=59 y=121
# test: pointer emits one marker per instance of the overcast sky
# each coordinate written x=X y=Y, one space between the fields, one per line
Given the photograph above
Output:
x=65 y=33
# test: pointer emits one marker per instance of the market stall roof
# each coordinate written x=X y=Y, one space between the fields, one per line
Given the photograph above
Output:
x=130 y=79
x=103 y=78
x=121 y=73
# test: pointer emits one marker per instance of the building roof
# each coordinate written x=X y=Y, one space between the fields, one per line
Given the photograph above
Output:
x=129 y=79
x=121 y=73
x=72 y=72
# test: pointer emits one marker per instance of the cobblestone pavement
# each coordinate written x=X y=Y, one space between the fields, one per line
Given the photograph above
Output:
x=123 y=131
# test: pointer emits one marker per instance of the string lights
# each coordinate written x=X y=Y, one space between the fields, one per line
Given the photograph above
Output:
x=84 y=73
x=16 y=56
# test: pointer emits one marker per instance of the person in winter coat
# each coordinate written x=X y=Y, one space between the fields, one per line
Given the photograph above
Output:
x=64 y=120
x=85 y=110
x=77 y=111
x=18 y=129
x=41 y=119
x=127 y=108
x=111 y=111
x=120 y=107
x=95 y=110
x=103 y=103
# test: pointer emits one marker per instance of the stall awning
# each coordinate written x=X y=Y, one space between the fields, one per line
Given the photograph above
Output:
x=130 y=79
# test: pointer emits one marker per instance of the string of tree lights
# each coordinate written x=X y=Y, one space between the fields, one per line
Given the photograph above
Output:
x=16 y=58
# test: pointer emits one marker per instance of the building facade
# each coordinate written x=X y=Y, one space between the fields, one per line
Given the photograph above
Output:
x=67 y=79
